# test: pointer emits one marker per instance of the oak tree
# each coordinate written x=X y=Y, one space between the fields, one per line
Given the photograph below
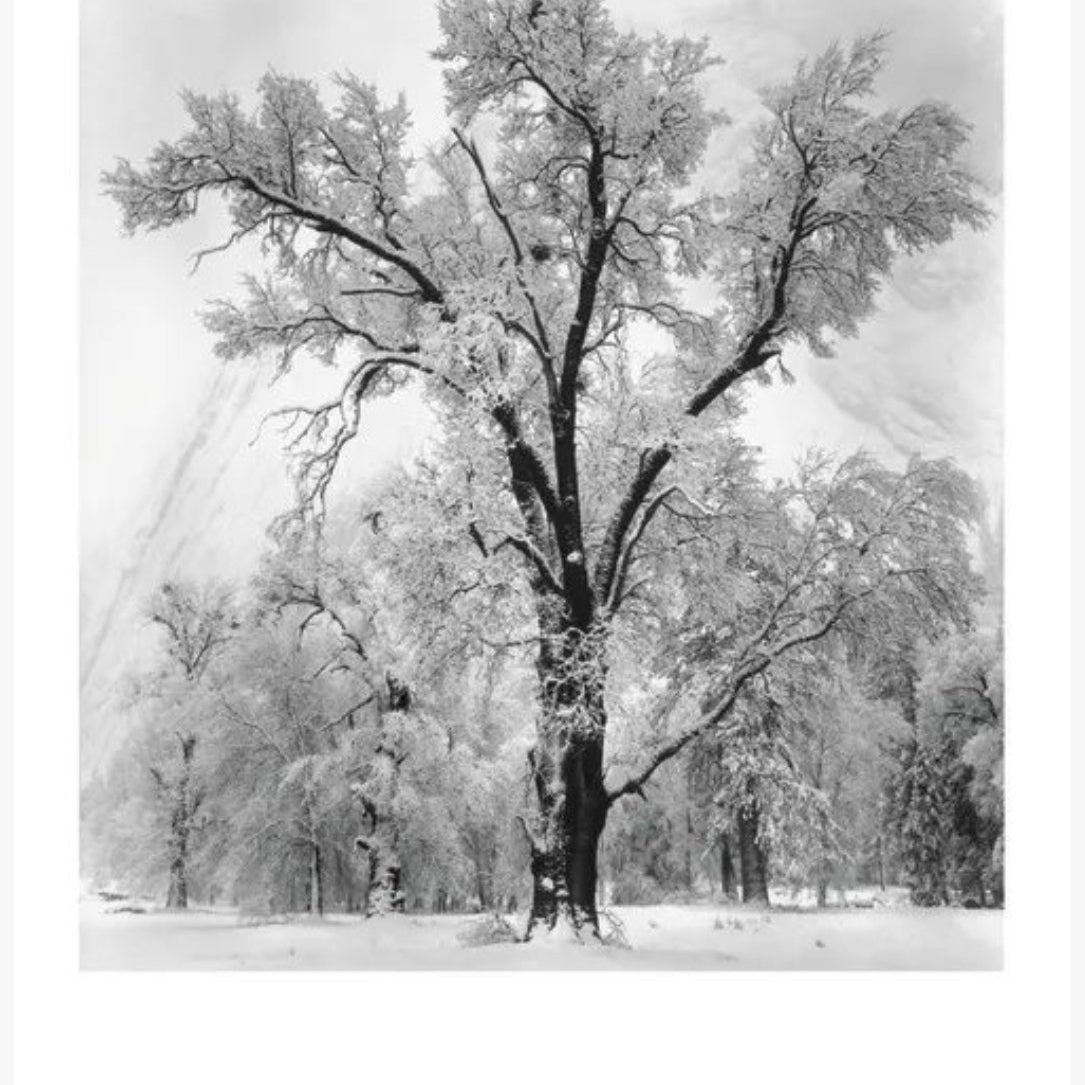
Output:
x=509 y=272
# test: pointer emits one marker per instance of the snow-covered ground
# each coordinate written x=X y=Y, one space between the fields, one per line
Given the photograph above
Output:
x=701 y=936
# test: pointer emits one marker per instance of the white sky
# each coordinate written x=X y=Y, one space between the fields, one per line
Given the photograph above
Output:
x=169 y=481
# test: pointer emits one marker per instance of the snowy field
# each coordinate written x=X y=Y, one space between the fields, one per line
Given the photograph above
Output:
x=703 y=936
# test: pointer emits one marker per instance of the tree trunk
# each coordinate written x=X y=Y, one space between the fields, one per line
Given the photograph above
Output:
x=564 y=862
x=727 y=867
x=177 y=894
x=751 y=856
x=180 y=825
x=567 y=770
x=689 y=851
x=393 y=886
x=383 y=890
x=485 y=859
x=316 y=881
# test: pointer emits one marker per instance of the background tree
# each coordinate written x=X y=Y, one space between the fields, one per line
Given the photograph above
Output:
x=946 y=797
x=197 y=622
x=402 y=764
x=280 y=794
x=124 y=825
x=512 y=279
x=837 y=743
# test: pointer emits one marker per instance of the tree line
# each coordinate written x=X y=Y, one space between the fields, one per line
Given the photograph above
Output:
x=351 y=731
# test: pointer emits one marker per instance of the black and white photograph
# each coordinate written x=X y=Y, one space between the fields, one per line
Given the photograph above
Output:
x=541 y=486
x=542 y=541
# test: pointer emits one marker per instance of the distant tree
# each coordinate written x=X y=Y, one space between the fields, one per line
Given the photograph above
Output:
x=423 y=769
x=789 y=795
x=509 y=280
x=124 y=824
x=197 y=622
x=655 y=848
x=803 y=566
x=279 y=794
x=946 y=801
x=840 y=746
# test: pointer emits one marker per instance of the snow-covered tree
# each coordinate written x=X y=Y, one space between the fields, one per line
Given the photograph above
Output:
x=839 y=746
x=197 y=622
x=947 y=799
x=509 y=274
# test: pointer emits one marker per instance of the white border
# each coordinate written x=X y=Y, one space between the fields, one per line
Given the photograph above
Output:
x=901 y=1028
x=7 y=806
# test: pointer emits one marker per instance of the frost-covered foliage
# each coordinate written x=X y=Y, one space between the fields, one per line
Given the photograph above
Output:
x=360 y=751
x=197 y=623
x=507 y=271
x=834 y=192
x=584 y=507
x=324 y=777
x=946 y=797
x=654 y=848
x=848 y=550
x=815 y=568
x=806 y=768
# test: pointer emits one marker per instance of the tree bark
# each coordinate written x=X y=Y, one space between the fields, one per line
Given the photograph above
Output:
x=567 y=768
x=689 y=851
x=484 y=860
x=751 y=855
x=727 y=867
x=180 y=827
x=565 y=863
x=383 y=889
x=392 y=885
x=316 y=881
x=177 y=894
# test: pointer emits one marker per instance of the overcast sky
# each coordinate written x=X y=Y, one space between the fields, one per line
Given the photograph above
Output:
x=169 y=480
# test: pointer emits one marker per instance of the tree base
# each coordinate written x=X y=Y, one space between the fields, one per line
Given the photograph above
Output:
x=564 y=924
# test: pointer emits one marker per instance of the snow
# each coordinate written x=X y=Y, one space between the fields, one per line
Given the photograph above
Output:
x=702 y=936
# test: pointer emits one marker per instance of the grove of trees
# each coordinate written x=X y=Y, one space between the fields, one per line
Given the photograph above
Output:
x=583 y=607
